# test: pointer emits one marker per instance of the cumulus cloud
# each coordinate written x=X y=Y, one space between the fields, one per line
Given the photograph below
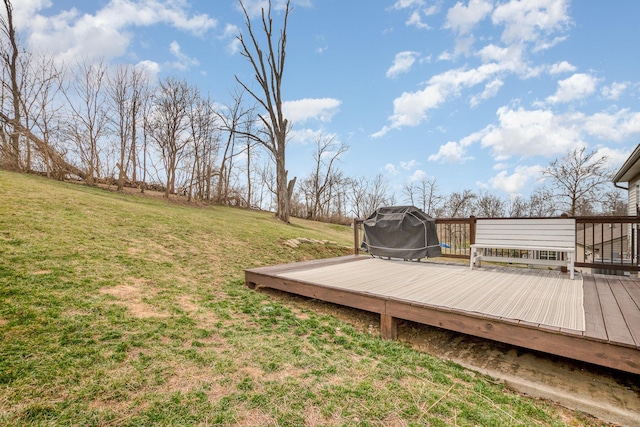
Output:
x=461 y=19
x=409 y=165
x=411 y=108
x=417 y=176
x=151 y=68
x=419 y=10
x=561 y=67
x=528 y=21
x=611 y=125
x=71 y=34
x=528 y=133
x=184 y=62
x=415 y=20
x=491 y=89
x=300 y=111
x=525 y=133
x=576 y=87
x=516 y=181
x=402 y=63
x=614 y=91
x=391 y=169
x=454 y=151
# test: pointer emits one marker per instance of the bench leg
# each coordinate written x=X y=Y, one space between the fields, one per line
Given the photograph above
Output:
x=472 y=256
x=570 y=266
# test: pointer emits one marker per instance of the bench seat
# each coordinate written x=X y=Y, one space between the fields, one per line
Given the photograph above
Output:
x=526 y=234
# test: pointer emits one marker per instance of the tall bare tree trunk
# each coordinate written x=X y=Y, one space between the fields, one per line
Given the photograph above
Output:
x=11 y=60
x=268 y=71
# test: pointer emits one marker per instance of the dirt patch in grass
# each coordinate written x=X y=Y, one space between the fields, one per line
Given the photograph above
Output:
x=187 y=304
x=130 y=297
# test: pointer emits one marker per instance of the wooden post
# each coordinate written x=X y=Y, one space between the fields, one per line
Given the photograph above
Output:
x=472 y=230
x=388 y=327
x=356 y=246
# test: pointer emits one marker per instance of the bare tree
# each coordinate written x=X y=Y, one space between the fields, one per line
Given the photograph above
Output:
x=232 y=118
x=541 y=203
x=614 y=203
x=489 y=206
x=205 y=145
x=428 y=197
x=88 y=122
x=458 y=205
x=124 y=100
x=10 y=54
x=517 y=207
x=268 y=70
x=318 y=184
x=43 y=110
x=577 y=179
x=169 y=126
x=367 y=195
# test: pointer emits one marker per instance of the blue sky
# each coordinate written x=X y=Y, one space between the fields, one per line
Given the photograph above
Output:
x=478 y=94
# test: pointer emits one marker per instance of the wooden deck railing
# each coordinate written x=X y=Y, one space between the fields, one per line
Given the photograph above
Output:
x=606 y=244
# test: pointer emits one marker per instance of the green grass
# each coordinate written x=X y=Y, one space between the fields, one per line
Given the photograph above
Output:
x=128 y=311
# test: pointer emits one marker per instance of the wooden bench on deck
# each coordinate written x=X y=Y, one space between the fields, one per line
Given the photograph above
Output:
x=551 y=236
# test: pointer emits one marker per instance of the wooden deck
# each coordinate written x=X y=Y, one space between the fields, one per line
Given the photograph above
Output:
x=594 y=318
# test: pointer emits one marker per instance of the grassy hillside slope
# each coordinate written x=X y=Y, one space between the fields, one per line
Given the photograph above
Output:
x=122 y=310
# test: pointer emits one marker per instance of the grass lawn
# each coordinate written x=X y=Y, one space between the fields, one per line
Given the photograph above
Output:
x=128 y=311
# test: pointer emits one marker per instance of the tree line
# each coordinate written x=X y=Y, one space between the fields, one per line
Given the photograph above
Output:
x=113 y=123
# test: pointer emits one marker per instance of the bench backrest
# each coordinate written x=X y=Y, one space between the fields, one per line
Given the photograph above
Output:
x=547 y=232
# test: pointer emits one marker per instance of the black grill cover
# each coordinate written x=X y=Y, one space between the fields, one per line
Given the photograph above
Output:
x=401 y=232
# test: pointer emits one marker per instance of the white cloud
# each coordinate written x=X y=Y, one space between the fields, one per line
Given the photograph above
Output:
x=151 y=68
x=415 y=20
x=322 y=109
x=451 y=152
x=491 y=89
x=402 y=63
x=418 y=11
x=184 y=62
x=615 y=158
x=409 y=165
x=418 y=175
x=526 y=21
x=70 y=34
x=529 y=133
x=304 y=136
x=612 y=126
x=404 y=4
x=391 y=169
x=461 y=19
x=455 y=152
x=578 y=86
x=614 y=91
x=561 y=67
x=411 y=108
x=515 y=182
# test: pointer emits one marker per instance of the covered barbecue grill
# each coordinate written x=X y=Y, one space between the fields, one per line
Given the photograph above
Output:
x=403 y=232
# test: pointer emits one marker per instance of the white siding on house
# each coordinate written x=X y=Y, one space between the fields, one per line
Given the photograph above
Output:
x=634 y=189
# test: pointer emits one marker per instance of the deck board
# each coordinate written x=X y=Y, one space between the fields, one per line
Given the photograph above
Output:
x=617 y=329
x=594 y=321
x=611 y=311
x=628 y=307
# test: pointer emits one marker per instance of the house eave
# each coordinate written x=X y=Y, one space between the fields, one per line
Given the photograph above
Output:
x=630 y=169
